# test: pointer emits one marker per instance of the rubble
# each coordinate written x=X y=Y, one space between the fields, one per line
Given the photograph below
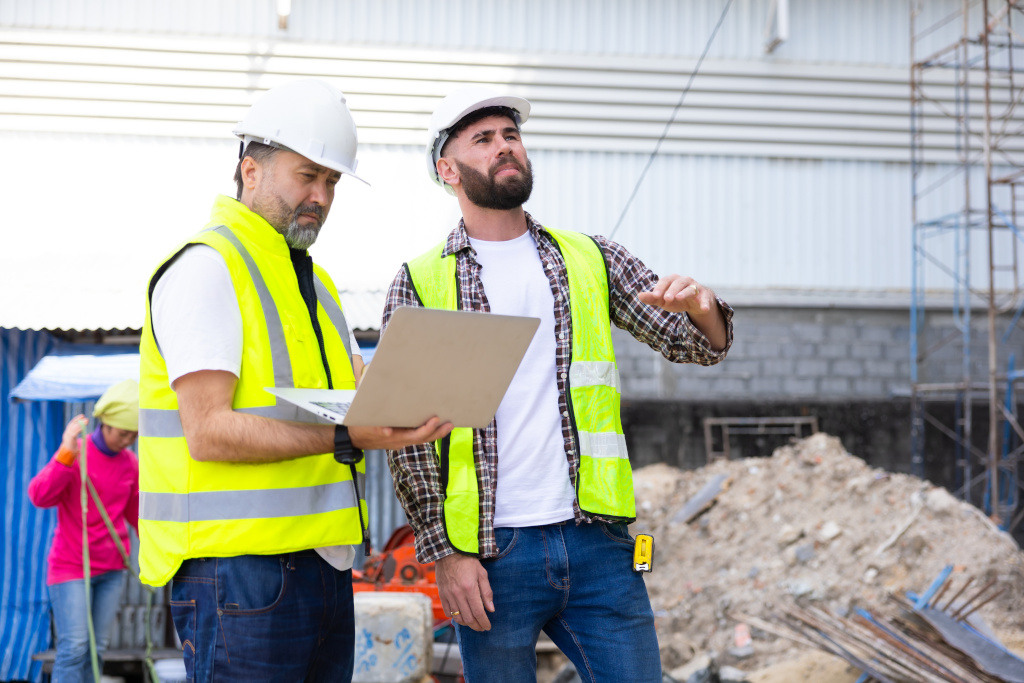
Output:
x=814 y=523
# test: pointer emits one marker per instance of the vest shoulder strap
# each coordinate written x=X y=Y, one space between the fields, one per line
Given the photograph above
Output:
x=433 y=278
x=585 y=245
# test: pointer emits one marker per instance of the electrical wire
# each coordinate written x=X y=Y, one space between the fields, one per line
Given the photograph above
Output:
x=671 y=120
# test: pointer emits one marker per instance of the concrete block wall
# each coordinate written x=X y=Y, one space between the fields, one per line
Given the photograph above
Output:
x=824 y=354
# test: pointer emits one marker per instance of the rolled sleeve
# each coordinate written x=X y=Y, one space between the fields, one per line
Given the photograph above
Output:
x=418 y=487
x=701 y=351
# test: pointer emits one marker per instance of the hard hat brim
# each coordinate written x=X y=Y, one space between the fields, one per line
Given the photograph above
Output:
x=322 y=161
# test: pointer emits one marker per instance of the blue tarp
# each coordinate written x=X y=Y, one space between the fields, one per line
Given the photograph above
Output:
x=78 y=372
x=29 y=433
x=82 y=372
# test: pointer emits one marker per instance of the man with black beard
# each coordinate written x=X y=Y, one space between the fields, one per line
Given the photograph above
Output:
x=527 y=518
x=251 y=507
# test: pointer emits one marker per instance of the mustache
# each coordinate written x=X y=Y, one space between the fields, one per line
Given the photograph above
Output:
x=505 y=162
x=314 y=209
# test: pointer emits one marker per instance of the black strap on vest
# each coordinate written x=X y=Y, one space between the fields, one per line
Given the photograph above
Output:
x=303 y=265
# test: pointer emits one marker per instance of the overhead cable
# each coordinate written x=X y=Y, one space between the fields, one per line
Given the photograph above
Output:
x=672 y=118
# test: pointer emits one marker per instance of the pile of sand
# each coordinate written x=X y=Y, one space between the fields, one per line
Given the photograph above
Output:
x=815 y=524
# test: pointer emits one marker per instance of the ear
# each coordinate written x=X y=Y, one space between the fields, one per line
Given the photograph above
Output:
x=251 y=172
x=448 y=171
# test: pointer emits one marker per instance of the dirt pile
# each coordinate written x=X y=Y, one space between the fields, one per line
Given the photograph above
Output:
x=810 y=523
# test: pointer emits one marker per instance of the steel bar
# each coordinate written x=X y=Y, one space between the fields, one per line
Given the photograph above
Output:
x=987 y=600
x=956 y=595
x=974 y=596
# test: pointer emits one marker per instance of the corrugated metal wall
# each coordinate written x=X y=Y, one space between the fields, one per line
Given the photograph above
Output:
x=29 y=432
x=744 y=223
x=167 y=86
x=862 y=32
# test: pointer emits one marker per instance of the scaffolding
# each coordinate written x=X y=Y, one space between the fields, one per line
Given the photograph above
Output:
x=967 y=185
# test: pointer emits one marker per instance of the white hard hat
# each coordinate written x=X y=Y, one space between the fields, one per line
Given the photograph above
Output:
x=455 y=107
x=308 y=117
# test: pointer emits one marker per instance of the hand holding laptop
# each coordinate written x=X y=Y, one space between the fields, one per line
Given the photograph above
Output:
x=393 y=438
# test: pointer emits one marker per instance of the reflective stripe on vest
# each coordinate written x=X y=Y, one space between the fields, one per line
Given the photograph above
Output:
x=604 y=485
x=278 y=348
x=190 y=508
x=207 y=506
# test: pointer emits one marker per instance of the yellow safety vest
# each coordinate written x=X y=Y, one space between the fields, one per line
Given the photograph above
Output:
x=192 y=509
x=604 y=485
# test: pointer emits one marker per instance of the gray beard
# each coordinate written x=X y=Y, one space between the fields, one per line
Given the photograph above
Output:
x=300 y=236
x=295 y=235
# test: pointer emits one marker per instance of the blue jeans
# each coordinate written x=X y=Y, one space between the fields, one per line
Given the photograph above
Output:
x=264 y=618
x=67 y=599
x=575 y=583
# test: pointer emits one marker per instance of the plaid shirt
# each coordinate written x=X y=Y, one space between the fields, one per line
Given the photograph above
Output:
x=415 y=468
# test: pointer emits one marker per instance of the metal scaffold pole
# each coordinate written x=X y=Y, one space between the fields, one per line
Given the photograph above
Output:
x=967 y=165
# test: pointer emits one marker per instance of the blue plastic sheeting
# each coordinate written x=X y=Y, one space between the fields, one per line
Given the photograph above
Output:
x=78 y=372
x=29 y=433
x=82 y=372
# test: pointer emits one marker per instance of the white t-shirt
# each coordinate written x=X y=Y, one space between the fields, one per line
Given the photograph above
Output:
x=533 y=473
x=198 y=324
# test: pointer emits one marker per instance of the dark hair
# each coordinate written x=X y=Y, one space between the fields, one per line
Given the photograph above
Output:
x=474 y=116
x=259 y=153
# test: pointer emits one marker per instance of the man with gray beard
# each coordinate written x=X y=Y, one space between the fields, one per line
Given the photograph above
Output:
x=250 y=507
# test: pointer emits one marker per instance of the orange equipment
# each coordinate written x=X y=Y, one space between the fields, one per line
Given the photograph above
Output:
x=395 y=569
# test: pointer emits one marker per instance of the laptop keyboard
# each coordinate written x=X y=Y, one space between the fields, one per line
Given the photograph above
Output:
x=341 y=408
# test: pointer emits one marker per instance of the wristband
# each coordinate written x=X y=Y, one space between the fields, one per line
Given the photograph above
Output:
x=344 y=452
x=65 y=456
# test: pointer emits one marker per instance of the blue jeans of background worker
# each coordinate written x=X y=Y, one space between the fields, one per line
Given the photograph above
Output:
x=264 y=617
x=575 y=583
x=73 y=663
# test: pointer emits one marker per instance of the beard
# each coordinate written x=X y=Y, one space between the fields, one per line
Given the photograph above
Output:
x=286 y=221
x=488 y=192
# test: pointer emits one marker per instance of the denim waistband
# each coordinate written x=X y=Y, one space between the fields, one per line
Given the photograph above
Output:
x=282 y=556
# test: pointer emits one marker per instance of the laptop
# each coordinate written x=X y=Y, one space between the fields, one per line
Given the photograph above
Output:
x=453 y=364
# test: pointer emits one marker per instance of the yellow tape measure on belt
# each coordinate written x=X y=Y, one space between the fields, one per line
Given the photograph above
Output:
x=643 y=553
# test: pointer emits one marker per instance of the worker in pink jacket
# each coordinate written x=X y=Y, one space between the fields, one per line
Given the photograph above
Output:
x=114 y=472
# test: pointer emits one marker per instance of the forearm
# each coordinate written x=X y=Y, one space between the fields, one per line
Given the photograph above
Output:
x=215 y=432
x=231 y=436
